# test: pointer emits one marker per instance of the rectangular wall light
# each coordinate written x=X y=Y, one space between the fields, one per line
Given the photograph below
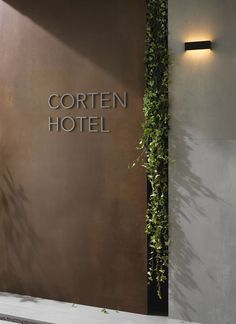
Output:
x=199 y=45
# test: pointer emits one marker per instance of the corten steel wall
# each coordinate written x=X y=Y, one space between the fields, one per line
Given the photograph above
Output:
x=72 y=214
x=202 y=178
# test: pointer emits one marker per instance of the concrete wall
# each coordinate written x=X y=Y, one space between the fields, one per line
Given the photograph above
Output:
x=202 y=177
x=71 y=211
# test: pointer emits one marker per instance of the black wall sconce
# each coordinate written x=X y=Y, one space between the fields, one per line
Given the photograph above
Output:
x=199 y=45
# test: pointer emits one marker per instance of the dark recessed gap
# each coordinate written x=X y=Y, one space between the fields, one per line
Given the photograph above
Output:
x=157 y=306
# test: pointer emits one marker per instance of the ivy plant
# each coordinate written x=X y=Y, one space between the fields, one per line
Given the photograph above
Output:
x=155 y=138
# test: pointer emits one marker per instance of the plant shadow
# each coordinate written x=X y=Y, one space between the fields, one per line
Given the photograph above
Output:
x=19 y=242
x=186 y=189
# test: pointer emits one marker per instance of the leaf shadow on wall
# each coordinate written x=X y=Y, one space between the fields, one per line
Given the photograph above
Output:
x=111 y=34
x=185 y=190
x=19 y=242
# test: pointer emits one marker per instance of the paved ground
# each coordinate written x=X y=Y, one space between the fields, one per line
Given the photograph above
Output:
x=42 y=310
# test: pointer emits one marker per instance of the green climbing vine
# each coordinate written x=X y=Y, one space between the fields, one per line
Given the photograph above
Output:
x=155 y=139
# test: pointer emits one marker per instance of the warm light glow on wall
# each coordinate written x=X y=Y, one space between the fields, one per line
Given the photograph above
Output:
x=197 y=36
x=198 y=55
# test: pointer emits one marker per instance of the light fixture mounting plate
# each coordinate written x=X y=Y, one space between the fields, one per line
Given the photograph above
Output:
x=198 y=45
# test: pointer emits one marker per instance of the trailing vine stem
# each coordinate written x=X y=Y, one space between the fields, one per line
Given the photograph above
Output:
x=155 y=139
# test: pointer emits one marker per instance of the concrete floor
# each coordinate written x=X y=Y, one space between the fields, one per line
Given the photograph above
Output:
x=50 y=311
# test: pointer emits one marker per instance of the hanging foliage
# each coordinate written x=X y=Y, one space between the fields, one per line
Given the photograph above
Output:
x=155 y=139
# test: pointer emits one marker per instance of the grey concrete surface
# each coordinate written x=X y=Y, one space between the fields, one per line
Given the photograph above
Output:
x=51 y=311
x=203 y=168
